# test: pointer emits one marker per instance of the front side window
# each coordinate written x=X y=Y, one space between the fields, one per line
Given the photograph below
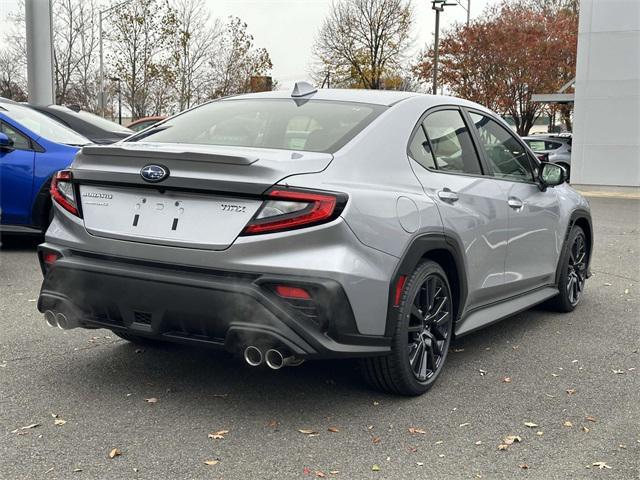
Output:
x=312 y=125
x=507 y=158
x=20 y=142
x=450 y=143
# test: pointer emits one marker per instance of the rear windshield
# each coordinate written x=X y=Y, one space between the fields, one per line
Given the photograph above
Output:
x=99 y=122
x=315 y=126
x=44 y=126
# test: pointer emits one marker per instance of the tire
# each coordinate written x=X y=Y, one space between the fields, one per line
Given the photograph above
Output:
x=573 y=272
x=420 y=342
x=138 y=339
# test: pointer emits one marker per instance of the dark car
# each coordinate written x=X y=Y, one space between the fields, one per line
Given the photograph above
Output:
x=97 y=129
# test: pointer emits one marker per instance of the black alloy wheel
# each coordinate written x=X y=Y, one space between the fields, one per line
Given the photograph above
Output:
x=421 y=338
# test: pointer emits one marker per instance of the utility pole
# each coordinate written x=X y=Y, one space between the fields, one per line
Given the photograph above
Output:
x=101 y=75
x=438 y=6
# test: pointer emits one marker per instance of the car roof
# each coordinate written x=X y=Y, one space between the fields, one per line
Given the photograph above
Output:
x=376 y=97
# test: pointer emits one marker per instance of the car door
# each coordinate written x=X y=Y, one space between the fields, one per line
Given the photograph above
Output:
x=535 y=236
x=16 y=178
x=473 y=207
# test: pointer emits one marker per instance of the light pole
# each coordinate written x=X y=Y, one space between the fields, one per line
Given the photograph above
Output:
x=101 y=75
x=438 y=6
x=116 y=79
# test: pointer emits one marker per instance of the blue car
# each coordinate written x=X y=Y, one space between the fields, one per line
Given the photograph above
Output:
x=32 y=148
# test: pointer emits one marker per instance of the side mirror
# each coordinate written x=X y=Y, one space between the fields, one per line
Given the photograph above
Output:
x=5 y=142
x=551 y=174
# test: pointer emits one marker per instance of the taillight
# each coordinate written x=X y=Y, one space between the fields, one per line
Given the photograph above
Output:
x=62 y=191
x=288 y=209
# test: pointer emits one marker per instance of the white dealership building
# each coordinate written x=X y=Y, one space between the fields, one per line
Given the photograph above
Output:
x=606 y=141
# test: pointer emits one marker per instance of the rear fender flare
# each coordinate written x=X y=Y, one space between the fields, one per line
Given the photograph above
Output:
x=421 y=247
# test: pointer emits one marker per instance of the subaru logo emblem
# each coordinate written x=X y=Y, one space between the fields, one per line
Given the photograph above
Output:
x=154 y=173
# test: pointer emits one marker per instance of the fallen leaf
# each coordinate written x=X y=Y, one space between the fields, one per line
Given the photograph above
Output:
x=618 y=372
x=273 y=424
x=585 y=429
x=376 y=440
x=320 y=474
x=600 y=465
x=530 y=424
x=334 y=472
x=502 y=446
x=28 y=427
x=211 y=462
x=606 y=284
x=375 y=468
x=59 y=422
x=539 y=433
x=413 y=449
x=420 y=464
x=511 y=439
x=151 y=400
x=115 y=453
x=555 y=375
x=416 y=430
x=77 y=470
x=479 y=442
x=506 y=379
x=482 y=372
x=571 y=391
x=464 y=424
x=568 y=424
x=439 y=442
x=333 y=429
x=307 y=432
x=441 y=455
x=589 y=418
x=306 y=471
x=524 y=466
x=219 y=435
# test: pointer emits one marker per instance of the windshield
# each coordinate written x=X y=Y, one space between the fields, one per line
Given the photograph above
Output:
x=315 y=126
x=99 y=122
x=44 y=126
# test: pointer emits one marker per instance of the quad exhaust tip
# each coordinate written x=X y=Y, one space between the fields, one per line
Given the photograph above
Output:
x=276 y=360
x=50 y=318
x=60 y=320
x=253 y=356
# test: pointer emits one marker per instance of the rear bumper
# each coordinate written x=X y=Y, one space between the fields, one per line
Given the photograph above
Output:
x=202 y=306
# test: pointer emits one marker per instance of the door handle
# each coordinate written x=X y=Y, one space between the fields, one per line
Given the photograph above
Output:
x=447 y=195
x=515 y=203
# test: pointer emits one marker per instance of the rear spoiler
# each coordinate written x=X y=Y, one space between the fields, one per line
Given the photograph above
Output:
x=172 y=151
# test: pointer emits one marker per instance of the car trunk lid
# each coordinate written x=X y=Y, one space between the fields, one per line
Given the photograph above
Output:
x=206 y=200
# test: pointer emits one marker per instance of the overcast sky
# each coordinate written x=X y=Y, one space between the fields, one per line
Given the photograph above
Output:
x=287 y=28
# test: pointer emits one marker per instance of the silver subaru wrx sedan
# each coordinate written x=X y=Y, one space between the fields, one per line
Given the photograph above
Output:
x=315 y=224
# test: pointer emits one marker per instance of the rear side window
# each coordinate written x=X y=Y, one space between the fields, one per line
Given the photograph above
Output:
x=450 y=143
x=420 y=150
x=536 y=145
x=311 y=125
x=20 y=142
x=506 y=156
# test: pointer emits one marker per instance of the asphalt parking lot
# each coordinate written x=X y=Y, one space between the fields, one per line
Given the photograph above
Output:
x=576 y=377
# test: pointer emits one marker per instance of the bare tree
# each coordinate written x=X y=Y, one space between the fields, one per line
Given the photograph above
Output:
x=12 y=81
x=236 y=62
x=363 y=41
x=138 y=35
x=193 y=44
